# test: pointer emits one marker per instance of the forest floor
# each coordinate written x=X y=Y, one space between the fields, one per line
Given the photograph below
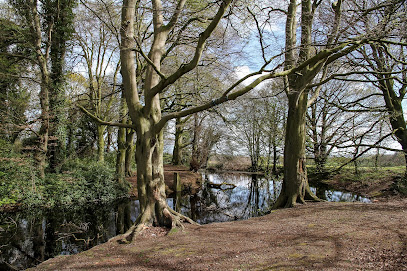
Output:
x=314 y=236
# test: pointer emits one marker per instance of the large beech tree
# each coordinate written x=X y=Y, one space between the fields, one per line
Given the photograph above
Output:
x=146 y=116
x=295 y=185
x=310 y=58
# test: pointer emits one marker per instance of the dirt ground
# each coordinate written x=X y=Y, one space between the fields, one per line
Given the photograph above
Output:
x=314 y=236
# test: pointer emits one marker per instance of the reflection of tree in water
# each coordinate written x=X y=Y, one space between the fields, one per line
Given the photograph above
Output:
x=30 y=238
x=123 y=218
x=21 y=238
x=252 y=207
x=246 y=196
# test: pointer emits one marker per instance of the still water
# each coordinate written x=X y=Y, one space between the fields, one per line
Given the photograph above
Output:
x=28 y=238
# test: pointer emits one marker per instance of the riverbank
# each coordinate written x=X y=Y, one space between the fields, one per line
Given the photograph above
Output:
x=315 y=236
x=191 y=181
x=378 y=185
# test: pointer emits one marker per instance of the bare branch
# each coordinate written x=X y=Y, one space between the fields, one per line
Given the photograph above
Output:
x=102 y=122
x=149 y=61
x=260 y=34
x=198 y=51
x=176 y=14
x=375 y=145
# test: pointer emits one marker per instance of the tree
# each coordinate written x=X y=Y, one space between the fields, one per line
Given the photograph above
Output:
x=58 y=17
x=295 y=186
x=311 y=60
x=388 y=63
x=147 y=118
x=98 y=50
x=14 y=96
x=179 y=143
x=28 y=10
x=328 y=123
x=274 y=129
x=203 y=139
x=49 y=25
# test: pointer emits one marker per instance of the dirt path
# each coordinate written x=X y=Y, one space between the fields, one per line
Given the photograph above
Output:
x=322 y=236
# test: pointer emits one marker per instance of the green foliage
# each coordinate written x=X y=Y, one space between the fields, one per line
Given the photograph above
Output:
x=167 y=158
x=81 y=182
x=14 y=99
x=17 y=175
x=85 y=181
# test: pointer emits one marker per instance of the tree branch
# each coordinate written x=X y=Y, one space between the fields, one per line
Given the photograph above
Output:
x=220 y=100
x=176 y=14
x=363 y=152
x=149 y=61
x=198 y=51
x=102 y=122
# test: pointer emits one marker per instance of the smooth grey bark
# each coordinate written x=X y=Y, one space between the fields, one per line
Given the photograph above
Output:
x=178 y=142
x=295 y=186
x=146 y=118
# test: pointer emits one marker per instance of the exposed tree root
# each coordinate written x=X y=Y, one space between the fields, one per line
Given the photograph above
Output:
x=311 y=196
x=144 y=221
x=288 y=201
x=179 y=218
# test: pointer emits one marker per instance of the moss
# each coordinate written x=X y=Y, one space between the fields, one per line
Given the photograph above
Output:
x=173 y=231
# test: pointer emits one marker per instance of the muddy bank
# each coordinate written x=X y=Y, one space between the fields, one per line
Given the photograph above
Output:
x=321 y=236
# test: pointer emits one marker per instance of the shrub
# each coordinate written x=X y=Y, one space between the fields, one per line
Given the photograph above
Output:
x=17 y=176
x=84 y=181
x=80 y=182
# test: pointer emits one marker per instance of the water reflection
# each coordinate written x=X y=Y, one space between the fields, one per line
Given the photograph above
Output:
x=27 y=239
x=250 y=196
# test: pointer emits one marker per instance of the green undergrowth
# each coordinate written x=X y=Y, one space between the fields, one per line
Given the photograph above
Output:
x=79 y=182
x=364 y=177
x=364 y=174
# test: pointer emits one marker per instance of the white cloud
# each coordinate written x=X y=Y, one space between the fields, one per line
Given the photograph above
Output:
x=241 y=71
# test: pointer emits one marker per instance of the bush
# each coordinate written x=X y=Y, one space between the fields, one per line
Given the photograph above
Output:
x=84 y=181
x=17 y=176
x=80 y=182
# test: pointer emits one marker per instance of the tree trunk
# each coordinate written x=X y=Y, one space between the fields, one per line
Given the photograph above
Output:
x=40 y=155
x=121 y=143
x=154 y=209
x=320 y=163
x=275 y=158
x=129 y=152
x=121 y=155
x=176 y=154
x=101 y=142
x=109 y=139
x=194 y=163
x=59 y=17
x=295 y=186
